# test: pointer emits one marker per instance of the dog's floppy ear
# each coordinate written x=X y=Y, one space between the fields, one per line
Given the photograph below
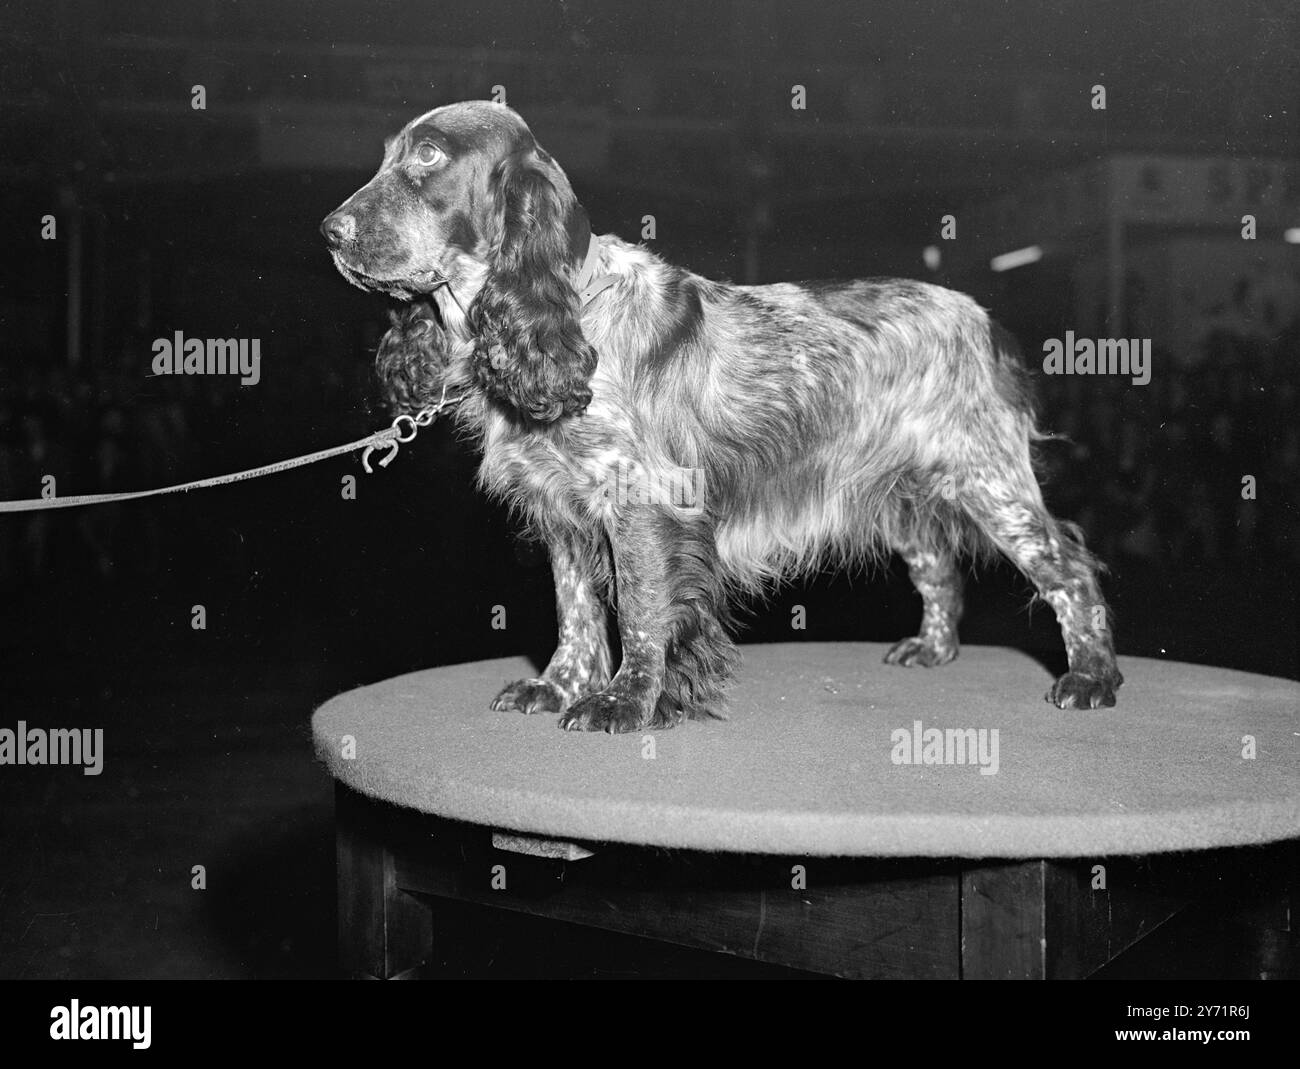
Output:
x=413 y=358
x=531 y=349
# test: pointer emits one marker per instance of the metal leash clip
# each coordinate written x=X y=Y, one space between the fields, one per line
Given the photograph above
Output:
x=404 y=429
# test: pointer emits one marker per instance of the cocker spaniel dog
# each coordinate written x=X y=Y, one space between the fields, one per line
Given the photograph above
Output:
x=679 y=442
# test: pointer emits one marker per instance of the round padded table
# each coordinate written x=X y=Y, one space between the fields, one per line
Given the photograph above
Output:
x=824 y=754
x=850 y=818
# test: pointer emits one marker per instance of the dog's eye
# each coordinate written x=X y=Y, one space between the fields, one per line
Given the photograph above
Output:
x=429 y=154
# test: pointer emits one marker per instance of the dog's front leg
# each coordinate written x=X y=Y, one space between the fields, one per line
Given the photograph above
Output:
x=581 y=662
x=642 y=540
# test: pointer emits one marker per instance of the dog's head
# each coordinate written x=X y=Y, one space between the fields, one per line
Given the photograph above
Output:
x=466 y=197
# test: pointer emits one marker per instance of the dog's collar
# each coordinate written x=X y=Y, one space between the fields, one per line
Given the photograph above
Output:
x=587 y=284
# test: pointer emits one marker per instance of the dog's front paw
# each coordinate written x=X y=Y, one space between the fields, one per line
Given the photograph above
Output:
x=610 y=710
x=529 y=696
x=914 y=651
x=1077 y=690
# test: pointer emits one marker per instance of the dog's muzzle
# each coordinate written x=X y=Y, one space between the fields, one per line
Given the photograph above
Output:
x=339 y=228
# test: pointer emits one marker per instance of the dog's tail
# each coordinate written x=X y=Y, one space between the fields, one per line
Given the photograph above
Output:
x=1014 y=381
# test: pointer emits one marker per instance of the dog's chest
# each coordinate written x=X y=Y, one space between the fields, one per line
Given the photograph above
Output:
x=546 y=474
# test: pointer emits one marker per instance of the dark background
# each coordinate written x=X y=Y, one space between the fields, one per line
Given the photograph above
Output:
x=206 y=222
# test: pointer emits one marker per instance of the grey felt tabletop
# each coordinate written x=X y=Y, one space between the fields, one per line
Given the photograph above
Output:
x=830 y=752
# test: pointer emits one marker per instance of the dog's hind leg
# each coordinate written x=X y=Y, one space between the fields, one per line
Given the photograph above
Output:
x=1009 y=510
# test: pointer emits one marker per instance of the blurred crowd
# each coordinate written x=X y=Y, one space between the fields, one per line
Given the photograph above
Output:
x=1201 y=465
x=112 y=427
x=1154 y=474
x=91 y=432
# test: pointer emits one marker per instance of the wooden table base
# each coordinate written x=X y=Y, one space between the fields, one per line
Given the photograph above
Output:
x=856 y=918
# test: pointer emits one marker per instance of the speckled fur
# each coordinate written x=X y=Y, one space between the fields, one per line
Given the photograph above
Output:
x=840 y=421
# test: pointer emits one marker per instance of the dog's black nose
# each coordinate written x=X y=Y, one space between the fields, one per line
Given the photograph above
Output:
x=339 y=228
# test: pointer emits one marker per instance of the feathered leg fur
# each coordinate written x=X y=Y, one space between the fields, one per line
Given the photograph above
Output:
x=677 y=655
x=581 y=661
